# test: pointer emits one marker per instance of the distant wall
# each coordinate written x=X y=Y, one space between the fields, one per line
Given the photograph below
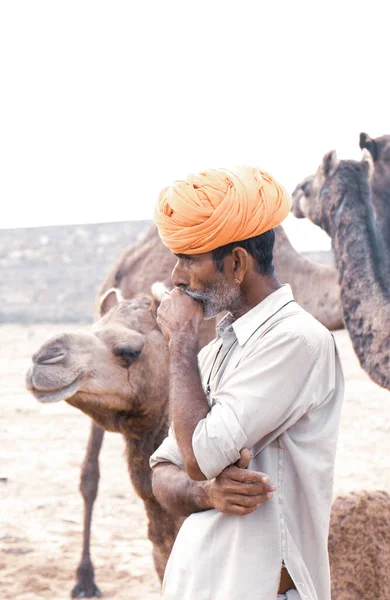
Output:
x=52 y=274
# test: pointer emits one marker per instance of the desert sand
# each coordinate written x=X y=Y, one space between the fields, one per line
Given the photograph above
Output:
x=42 y=447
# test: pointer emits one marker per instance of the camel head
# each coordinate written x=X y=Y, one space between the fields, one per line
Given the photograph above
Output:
x=306 y=196
x=320 y=196
x=108 y=368
x=300 y=195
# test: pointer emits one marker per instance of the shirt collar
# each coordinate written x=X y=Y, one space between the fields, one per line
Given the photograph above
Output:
x=254 y=318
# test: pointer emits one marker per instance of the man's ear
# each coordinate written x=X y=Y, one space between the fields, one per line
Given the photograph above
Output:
x=109 y=299
x=366 y=142
x=240 y=262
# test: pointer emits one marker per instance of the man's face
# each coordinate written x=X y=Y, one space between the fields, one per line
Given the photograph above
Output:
x=198 y=277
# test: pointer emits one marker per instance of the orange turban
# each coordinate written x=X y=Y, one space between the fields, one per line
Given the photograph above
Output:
x=217 y=207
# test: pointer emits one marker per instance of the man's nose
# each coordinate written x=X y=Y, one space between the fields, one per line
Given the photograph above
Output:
x=180 y=275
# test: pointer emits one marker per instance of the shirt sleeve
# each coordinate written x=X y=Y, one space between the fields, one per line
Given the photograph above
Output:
x=168 y=451
x=269 y=391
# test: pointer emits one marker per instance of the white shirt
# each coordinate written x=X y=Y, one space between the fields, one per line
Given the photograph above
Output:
x=276 y=387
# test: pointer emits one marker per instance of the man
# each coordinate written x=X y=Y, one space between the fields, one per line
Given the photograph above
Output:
x=267 y=391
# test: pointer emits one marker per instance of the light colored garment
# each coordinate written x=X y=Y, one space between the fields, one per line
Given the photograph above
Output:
x=217 y=207
x=276 y=388
x=289 y=595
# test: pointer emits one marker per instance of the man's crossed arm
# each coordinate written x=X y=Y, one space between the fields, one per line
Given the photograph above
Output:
x=236 y=491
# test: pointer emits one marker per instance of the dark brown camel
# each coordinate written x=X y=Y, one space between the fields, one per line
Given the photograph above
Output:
x=106 y=374
x=338 y=199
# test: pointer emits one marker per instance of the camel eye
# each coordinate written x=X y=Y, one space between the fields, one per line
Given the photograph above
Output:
x=307 y=187
x=127 y=355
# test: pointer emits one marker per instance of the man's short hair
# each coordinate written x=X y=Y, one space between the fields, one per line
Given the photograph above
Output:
x=260 y=247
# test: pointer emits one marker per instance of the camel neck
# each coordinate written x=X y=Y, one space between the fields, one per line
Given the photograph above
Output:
x=358 y=251
x=364 y=290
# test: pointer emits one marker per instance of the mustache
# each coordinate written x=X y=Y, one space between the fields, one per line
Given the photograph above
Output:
x=195 y=295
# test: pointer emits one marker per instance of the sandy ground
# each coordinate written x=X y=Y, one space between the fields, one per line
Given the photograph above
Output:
x=42 y=448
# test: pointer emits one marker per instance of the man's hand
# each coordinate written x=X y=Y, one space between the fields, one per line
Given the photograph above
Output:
x=178 y=313
x=237 y=491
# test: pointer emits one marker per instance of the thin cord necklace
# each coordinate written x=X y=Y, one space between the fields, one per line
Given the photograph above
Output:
x=208 y=387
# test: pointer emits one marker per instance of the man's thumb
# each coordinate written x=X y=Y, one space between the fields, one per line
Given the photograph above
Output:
x=244 y=459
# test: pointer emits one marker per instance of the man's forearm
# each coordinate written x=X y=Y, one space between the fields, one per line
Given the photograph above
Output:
x=177 y=493
x=188 y=403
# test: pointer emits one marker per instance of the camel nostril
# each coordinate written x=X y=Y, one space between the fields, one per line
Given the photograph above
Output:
x=51 y=360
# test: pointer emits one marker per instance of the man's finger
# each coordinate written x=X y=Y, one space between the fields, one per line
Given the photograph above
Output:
x=245 y=457
x=249 y=501
x=245 y=476
x=235 y=509
x=250 y=489
x=230 y=486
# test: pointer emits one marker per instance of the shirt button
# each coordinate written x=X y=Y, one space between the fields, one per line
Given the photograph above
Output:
x=230 y=328
x=221 y=330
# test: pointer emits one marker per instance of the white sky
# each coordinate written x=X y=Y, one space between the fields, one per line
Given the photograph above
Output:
x=104 y=103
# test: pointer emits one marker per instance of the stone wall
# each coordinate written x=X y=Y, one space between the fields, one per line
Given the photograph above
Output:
x=52 y=274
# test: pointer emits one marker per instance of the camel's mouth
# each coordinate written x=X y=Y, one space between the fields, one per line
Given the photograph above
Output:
x=297 y=196
x=54 y=395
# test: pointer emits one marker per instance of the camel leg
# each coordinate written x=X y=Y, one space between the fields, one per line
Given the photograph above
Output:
x=85 y=586
x=162 y=531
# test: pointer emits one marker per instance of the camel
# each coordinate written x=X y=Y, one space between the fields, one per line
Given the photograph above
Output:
x=379 y=148
x=105 y=372
x=338 y=199
x=315 y=287
x=359 y=546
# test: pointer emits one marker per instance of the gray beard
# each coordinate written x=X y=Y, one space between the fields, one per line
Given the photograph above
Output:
x=218 y=298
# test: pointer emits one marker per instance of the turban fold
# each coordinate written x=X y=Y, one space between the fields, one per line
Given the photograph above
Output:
x=218 y=207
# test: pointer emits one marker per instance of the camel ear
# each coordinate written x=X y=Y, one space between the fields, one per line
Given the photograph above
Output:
x=329 y=164
x=368 y=163
x=366 y=142
x=109 y=299
x=158 y=288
